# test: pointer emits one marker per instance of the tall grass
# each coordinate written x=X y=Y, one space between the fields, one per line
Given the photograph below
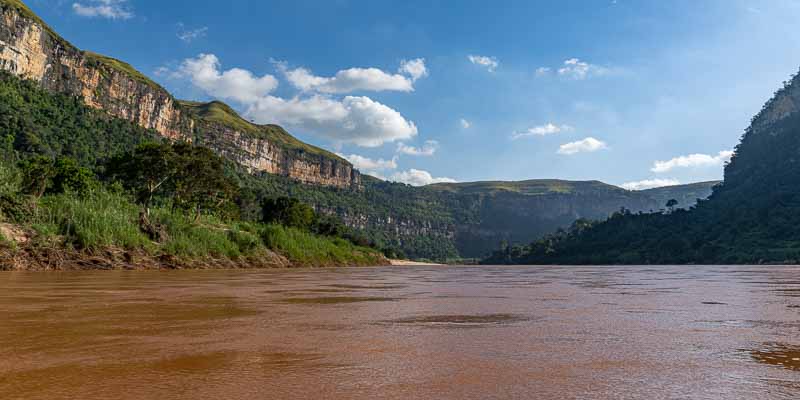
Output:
x=309 y=249
x=206 y=236
x=103 y=219
x=96 y=220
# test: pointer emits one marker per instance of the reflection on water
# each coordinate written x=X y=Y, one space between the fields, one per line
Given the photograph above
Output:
x=779 y=354
x=399 y=333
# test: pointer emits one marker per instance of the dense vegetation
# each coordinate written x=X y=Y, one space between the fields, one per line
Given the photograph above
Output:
x=441 y=222
x=73 y=179
x=753 y=217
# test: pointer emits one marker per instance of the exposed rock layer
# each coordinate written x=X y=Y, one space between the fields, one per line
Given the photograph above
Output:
x=30 y=50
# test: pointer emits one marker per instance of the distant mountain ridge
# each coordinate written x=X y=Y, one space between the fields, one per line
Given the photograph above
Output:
x=30 y=49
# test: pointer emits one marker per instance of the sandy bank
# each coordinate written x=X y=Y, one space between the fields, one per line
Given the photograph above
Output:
x=411 y=263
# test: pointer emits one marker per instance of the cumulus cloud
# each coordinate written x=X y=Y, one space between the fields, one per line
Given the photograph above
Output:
x=416 y=177
x=354 y=119
x=543 y=130
x=235 y=84
x=693 y=161
x=189 y=35
x=427 y=149
x=587 y=145
x=490 y=63
x=414 y=68
x=369 y=165
x=111 y=9
x=464 y=123
x=650 y=184
x=355 y=79
x=579 y=70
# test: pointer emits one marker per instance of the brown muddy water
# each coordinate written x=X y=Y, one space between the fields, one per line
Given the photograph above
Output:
x=685 y=332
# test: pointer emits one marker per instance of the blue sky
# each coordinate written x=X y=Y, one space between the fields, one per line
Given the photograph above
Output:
x=641 y=93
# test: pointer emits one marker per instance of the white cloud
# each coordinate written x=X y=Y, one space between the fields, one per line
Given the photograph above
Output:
x=358 y=120
x=414 y=68
x=490 y=63
x=542 y=71
x=235 y=84
x=650 y=184
x=112 y=9
x=353 y=119
x=693 y=161
x=464 y=123
x=543 y=130
x=355 y=79
x=368 y=165
x=416 y=177
x=587 y=145
x=427 y=149
x=579 y=70
x=189 y=35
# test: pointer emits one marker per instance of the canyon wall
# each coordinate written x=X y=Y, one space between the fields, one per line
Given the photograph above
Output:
x=31 y=50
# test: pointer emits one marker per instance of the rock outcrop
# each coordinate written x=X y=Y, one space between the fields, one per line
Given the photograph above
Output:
x=32 y=50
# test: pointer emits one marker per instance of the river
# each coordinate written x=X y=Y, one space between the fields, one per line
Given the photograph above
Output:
x=640 y=332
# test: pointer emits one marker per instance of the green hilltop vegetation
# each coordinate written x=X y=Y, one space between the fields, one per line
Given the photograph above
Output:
x=120 y=66
x=531 y=187
x=79 y=189
x=752 y=217
x=221 y=113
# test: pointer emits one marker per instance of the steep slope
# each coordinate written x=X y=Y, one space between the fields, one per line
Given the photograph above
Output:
x=686 y=195
x=32 y=50
x=752 y=217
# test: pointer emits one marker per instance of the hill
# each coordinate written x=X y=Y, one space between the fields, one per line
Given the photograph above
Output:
x=752 y=217
x=32 y=50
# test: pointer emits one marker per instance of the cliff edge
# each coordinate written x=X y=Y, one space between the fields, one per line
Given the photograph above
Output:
x=30 y=49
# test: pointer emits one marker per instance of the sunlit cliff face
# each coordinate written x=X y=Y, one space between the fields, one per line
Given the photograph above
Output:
x=30 y=51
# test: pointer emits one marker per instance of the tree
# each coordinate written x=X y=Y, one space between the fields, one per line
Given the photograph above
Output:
x=145 y=171
x=69 y=176
x=36 y=175
x=288 y=212
x=200 y=182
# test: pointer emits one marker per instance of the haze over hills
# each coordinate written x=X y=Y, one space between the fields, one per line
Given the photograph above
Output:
x=440 y=221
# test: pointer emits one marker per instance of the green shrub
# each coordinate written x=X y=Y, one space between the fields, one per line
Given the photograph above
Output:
x=9 y=178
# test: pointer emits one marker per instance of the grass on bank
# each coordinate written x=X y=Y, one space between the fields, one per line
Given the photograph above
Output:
x=102 y=219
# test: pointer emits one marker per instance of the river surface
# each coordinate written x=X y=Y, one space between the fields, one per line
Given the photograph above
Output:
x=687 y=332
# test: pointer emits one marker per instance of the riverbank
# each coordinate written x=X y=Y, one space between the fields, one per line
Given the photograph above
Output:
x=27 y=258
x=100 y=231
x=409 y=263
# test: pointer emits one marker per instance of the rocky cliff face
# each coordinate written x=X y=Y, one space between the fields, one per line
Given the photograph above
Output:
x=30 y=49
x=784 y=103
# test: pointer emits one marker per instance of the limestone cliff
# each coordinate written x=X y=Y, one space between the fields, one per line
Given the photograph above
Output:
x=32 y=50
x=784 y=103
